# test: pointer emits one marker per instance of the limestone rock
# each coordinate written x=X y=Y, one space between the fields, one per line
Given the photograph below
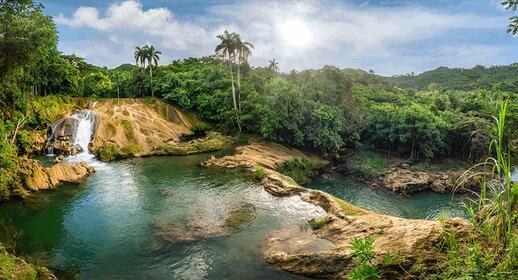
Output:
x=307 y=254
x=405 y=181
x=38 y=178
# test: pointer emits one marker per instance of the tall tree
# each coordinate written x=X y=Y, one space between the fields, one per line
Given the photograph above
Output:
x=227 y=49
x=140 y=56
x=150 y=55
x=152 y=58
x=273 y=65
x=243 y=51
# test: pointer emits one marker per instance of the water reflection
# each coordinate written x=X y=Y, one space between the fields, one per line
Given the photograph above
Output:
x=124 y=221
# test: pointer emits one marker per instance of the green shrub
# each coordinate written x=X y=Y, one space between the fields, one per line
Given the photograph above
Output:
x=111 y=152
x=108 y=152
x=491 y=250
x=242 y=139
x=200 y=130
x=364 y=256
x=25 y=142
x=368 y=164
x=259 y=173
x=299 y=169
x=128 y=129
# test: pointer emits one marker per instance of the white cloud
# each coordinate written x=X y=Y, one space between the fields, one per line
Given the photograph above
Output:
x=340 y=34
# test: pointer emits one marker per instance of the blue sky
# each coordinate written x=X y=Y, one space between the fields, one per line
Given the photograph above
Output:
x=389 y=37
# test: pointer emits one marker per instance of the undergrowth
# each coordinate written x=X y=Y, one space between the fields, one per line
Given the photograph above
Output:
x=491 y=250
x=299 y=169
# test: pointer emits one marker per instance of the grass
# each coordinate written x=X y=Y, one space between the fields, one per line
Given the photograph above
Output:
x=128 y=129
x=318 y=223
x=368 y=164
x=491 y=250
x=12 y=267
x=111 y=152
x=299 y=169
x=259 y=173
x=347 y=208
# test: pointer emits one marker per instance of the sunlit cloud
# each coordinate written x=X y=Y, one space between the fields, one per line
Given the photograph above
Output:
x=300 y=34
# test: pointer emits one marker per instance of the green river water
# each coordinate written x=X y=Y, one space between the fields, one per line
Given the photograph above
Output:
x=168 y=218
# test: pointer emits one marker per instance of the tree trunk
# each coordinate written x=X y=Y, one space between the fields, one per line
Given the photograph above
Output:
x=234 y=96
x=18 y=126
x=238 y=87
x=151 y=82
x=412 y=152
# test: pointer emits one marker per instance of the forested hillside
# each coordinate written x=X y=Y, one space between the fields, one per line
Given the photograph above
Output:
x=501 y=77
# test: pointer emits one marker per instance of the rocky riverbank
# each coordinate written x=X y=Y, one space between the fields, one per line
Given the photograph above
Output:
x=404 y=180
x=408 y=241
x=37 y=177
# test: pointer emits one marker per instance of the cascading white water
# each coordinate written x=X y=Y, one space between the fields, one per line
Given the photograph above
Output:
x=84 y=130
x=83 y=137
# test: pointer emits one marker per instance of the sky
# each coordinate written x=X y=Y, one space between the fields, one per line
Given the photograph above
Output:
x=388 y=37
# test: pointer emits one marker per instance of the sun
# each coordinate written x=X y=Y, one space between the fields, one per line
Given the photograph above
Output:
x=295 y=33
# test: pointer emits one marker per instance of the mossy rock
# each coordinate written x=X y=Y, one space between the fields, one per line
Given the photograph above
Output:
x=240 y=217
x=110 y=152
x=211 y=143
x=13 y=268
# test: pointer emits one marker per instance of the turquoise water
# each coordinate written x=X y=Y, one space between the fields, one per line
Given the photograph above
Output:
x=423 y=205
x=154 y=218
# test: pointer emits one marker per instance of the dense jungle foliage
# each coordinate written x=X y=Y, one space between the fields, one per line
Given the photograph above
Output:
x=327 y=110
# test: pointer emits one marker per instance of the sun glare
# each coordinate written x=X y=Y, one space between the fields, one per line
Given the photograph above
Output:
x=295 y=33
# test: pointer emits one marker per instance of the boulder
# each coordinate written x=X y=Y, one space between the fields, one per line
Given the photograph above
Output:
x=36 y=177
x=403 y=180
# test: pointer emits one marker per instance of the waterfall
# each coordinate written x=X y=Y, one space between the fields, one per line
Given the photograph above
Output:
x=84 y=130
x=78 y=129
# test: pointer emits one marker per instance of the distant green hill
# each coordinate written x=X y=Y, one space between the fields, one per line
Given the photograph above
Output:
x=126 y=67
x=495 y=77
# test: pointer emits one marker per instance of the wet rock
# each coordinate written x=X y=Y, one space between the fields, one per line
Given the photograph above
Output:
x=405 y=181
x=36 y=177
x=410 y=240
x=239 y=218
x=200 y=226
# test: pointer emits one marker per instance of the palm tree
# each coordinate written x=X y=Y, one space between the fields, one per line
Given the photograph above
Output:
x=273 y=66
x=227 y=49
x=140 y=56
x=243 y=50
x=152 y=57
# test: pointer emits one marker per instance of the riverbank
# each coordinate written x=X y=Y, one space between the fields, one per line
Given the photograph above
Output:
x=408 y=241
x=403 y=176
x=12 y=267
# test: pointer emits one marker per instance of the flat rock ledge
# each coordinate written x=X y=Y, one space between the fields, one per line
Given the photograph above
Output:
x=403 y=180
x=37 y=177
x=326 y=252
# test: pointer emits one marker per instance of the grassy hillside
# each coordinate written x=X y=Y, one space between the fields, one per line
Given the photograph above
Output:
x=504 y=78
